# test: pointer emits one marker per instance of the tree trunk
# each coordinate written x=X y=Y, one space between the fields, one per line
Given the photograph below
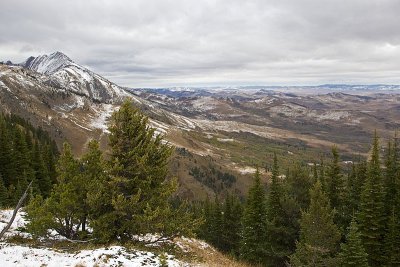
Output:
x=21 y=200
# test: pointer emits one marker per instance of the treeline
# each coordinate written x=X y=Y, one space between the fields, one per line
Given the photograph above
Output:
x=318 y=217
x=113 y=199
x=26 y=153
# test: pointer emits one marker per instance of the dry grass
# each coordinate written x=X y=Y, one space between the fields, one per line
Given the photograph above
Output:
x=207 y=255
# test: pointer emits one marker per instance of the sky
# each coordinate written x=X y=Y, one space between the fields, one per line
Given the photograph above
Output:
x=164 y=43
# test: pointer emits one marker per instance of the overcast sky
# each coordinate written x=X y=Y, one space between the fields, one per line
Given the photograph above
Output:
x=159 y=43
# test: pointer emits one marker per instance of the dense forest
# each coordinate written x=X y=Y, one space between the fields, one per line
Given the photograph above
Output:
x=26 y=153
x=318 y=217
x=323 y=216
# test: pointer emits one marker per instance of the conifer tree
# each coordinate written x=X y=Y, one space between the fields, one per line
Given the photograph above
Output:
x=321 y=175
x=216 y=224
x=278 y=242
x=352 y=252
x=372 y=218
x=50 y=163
x=319 y=236
x=392 y=204
x=231 y=224
x=40 y=171
x=3 y=194
x=65 y=202
x=7 y=169
x=335 y=189
x=298 y=185
x=21 y=164
x=138 y=185
x=254 y=220
x=315 y=173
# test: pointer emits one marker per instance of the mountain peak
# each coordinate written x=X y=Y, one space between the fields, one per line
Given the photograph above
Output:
x=48 y=64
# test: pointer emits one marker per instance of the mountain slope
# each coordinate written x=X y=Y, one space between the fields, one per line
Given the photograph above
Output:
x=61 y=72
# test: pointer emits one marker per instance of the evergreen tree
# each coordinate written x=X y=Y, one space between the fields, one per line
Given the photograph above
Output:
x=65 y=202
x=335 y=189
x=216 y=225
x=7 y=169
x=319 y=236
x=50 y=163
x=40 y=171
x=321 y=175
x=137 y=185
x=21 y=164
x=278 y=242
x=352 y=252
x=231 y=224
x=298 y=185
x=315 y=173
x=3 y=194
x=254 y=233
x=392 y=204
x=372 y=218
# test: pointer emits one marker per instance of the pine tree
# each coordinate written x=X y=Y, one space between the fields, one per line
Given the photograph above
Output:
x=40 y=171
x=372 y=218
x=21 y=164
x=65 y=202
x=298 y=184
x=335 y=189
x=315 y=173
x=138 y=185
x=321 y=175
x=3 y=194
x=231 y=224
x=50 y=163
x=7 y=169
x=254 y=220
x=278 y=242
x=216 y=224
x=392 y=204
x=319 y=236
x=352 y=252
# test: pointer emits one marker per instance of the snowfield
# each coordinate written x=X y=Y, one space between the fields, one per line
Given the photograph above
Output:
x=17 y=255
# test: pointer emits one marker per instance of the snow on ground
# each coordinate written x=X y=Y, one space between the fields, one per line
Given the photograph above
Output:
x=247 y=170
x=105 y=113
x=11 y=255
x=205 y=103
x=17 y=255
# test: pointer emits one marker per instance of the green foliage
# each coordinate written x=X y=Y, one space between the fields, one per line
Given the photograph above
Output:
x=3 y=194
x=254 y=221
x=40 y=220
x=133 y=197
x=372 y=218
x=352 y=252
x=319 y=236
x=335 y=189
x=21 y=158
x=231 y=226
x=278 y=226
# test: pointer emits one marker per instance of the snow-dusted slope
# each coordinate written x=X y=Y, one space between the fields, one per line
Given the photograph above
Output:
x=48 y=64
x=61 y=72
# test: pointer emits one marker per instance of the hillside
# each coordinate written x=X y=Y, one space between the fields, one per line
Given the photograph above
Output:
x=220 y=134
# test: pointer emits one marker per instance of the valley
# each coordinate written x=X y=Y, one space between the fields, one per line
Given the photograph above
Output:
x=220 y=134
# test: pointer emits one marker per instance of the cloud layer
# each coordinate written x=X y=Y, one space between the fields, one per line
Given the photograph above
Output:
x=149 y=43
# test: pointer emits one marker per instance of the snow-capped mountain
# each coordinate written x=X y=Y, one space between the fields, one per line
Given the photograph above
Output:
x=48 y=64
x=61 y=72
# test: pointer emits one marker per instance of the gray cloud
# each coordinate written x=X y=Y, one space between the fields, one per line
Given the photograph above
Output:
x=165 y=43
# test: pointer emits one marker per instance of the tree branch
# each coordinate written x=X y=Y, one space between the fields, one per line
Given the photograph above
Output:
x=21 y=200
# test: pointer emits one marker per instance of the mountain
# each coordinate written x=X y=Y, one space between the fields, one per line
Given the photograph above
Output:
x=61 y=72
x=220 y=134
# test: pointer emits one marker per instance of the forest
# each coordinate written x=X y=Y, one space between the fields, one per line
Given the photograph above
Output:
x=323 y=216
